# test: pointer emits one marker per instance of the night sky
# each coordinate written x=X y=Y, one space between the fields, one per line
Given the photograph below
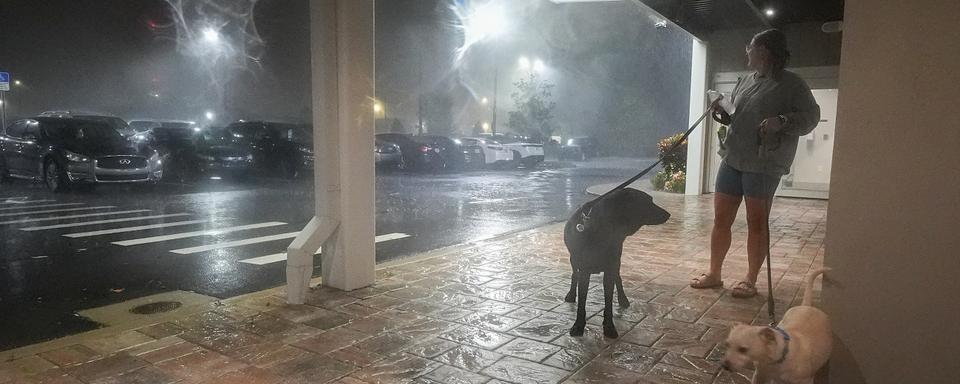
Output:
x=120 y=57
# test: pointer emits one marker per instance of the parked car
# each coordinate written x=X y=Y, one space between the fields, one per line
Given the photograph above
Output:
x=387 y=155
x=524 y=150
x=485 y=152
x=266 y=147
x=415 y=155
x=118 y=124
x=449 y=150
x=178 y=143
x=66 y=151
x=580 y=148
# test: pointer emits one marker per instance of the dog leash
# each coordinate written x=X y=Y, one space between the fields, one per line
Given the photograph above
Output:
x=771 y=306
x=585 y=216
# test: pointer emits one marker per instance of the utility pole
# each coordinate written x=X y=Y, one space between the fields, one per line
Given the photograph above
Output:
x=420 y=99
x=496 y=81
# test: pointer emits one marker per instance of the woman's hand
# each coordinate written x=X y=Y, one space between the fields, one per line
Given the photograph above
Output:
x=771 y=126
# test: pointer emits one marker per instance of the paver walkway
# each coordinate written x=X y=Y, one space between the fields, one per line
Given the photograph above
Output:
x=487 y=313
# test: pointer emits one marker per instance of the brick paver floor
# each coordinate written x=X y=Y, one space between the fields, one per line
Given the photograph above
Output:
x=491 y=312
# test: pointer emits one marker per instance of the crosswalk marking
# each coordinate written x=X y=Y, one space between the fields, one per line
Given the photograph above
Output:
x=98 y=222
x=212 y=232
x=55 y=218
x=56 y=211
x=41 y=206
x=20 y=201
x=237 y=243
x=278 y=257
x=133 y=229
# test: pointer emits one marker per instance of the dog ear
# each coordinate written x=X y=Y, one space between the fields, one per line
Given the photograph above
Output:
x=768 y=335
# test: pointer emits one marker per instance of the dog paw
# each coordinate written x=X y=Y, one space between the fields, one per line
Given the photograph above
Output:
x=571 y=298
x=610 y=331
x=576 y=330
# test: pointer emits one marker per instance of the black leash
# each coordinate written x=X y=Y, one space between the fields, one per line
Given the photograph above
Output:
x=585 y=216
x=660 y=160
x=771 y=307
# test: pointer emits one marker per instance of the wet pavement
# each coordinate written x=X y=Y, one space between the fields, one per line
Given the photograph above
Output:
x=489 y=312
x=63 y=253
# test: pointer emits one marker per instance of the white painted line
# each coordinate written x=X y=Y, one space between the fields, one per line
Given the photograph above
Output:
x=264 y=260
x=184 y=235
x=278 y=257
x=98 y=222
x=55 y=211
x=56 y=218
x=22 y=200
x=133 y=229
x=229 y=244
x=42 y=206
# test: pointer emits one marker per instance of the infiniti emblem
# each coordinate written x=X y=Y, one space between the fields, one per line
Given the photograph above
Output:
x=125 y=161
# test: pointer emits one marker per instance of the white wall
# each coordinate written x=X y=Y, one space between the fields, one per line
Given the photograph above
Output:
x=697 y=142
x=892 y=235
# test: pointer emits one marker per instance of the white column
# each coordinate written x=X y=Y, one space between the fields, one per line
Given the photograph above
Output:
x=697 y=142
x=342 y=51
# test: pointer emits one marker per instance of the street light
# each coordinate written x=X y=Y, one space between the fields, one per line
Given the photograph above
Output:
x=17 y=83
x=486 y=20
x=211 y=35
x=377 y=107
x=484 y=101
x=524 y=63
x=210 y=115
x=539 y=66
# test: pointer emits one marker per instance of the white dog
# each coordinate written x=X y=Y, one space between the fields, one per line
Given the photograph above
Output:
x=791 y=353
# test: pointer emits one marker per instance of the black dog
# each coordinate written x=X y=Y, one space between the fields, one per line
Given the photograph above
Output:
x=594 y=237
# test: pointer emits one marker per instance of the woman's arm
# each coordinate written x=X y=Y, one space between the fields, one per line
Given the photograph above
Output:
x=805 y=113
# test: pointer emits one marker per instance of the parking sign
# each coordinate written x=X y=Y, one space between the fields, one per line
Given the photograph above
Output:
x=4 y=81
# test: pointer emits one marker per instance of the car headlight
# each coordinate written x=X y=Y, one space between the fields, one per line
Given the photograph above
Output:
x=76 y=157
x=155 y=159
x=206 y=158
x=570 y=142
x=249 y=157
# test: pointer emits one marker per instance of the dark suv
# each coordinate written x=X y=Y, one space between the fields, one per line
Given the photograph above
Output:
x=580 y=148
x=268 y=147
x=65 y=151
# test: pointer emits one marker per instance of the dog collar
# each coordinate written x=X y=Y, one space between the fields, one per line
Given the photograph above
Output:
x=786 y=344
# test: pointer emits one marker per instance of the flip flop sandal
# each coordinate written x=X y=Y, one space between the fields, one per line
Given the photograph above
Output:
x=744 y=290
x=706 y=281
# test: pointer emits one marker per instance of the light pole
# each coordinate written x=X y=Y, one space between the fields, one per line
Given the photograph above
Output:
x=483 y=22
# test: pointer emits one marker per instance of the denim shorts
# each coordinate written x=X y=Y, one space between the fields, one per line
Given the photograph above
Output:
x=736 y=183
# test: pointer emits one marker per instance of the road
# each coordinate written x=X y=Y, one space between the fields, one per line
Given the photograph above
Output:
x=91 y=247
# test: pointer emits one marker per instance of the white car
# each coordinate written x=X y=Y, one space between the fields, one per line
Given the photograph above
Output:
x=484 y=152
x=522 y=151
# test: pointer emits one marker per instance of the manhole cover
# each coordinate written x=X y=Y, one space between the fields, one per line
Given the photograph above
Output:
x=157 y=307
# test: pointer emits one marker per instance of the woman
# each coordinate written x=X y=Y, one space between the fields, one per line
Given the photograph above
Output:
x=773 y=108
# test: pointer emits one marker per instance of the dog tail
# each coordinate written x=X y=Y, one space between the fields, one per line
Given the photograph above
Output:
x=808 y=285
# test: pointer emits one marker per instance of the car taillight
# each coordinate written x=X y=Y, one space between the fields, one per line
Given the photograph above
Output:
x=425 y=149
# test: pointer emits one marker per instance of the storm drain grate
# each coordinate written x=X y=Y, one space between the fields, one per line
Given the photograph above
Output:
x=156 y=307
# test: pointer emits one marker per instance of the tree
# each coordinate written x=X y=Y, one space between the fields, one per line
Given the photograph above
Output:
x=438 y=113
x=533 y=101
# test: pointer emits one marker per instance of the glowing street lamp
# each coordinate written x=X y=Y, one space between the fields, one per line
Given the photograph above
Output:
x=538 y=65
x=484 y=101
x=211 y=35
x=524 y=63
x=481 y=22
x=377 y=107
x=17 y=83
x=210 y=115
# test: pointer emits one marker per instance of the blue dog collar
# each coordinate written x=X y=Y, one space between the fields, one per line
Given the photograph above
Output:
x=786 y=344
